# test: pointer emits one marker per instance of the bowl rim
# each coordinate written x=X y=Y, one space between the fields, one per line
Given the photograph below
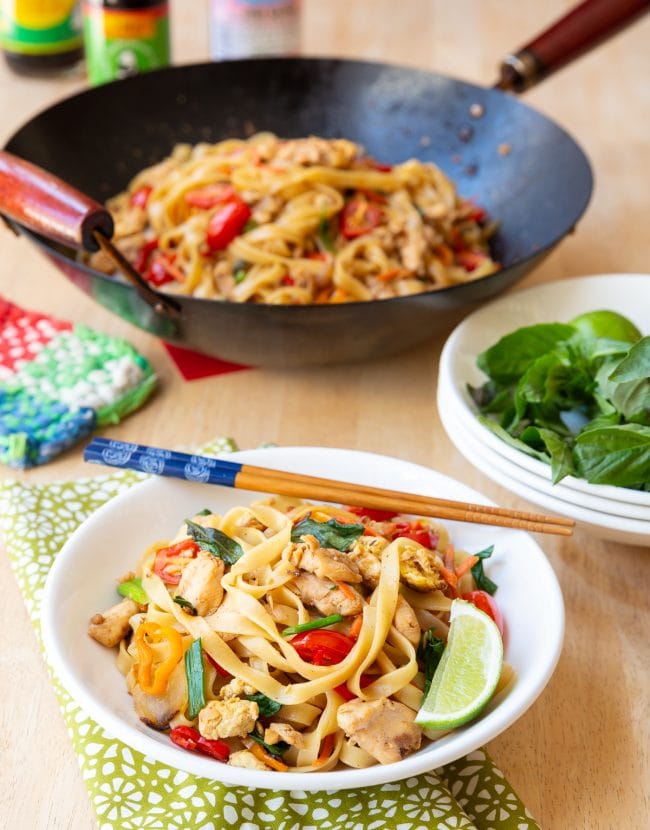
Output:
x=465 y=740
x=521 y=473
x=489 y=465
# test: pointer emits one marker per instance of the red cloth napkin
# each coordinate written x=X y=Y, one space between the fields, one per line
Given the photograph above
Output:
x=194 y=365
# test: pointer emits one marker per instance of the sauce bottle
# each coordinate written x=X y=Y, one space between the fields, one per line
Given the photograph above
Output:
x=40 y=37
x=125 y=37
x=253 y=28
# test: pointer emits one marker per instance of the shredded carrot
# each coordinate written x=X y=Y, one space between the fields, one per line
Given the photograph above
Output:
x=450 y=578
x=466 y=565
x=326 y=749
x=450 y=561
x=339 y=296
x=269 y=760
x=345 y=589
x=370 y=531
x=445 y=253
x=323 y=296
x=355 y=628
x=387 y=276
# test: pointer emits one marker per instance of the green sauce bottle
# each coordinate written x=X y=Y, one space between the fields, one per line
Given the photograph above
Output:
x=40 y=37
x=125 y=37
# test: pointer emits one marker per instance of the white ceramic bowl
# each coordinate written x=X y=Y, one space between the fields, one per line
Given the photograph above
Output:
x=580 y=497
x=82 y=582
x=628 y=294
x=604 y=525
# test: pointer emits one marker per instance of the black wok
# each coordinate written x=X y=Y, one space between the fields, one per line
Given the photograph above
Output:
x=99 y=139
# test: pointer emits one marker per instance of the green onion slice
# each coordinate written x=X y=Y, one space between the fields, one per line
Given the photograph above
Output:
x=194 y=674
x=310 y=626
x=133 y=590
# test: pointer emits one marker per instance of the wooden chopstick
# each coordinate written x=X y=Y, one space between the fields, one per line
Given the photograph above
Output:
x=249 y=477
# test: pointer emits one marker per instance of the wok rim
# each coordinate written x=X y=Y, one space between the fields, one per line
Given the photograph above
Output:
x=51 y=247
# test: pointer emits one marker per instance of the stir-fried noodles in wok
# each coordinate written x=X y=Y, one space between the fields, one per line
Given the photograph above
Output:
x=300 y=221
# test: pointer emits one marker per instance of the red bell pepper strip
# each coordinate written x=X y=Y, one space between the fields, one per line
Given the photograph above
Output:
x=166 y=564
x=217 y=666
x=359 y=217
x=470 y=260
x=322 y=648
x=414 y=530
x=141 y=196
x=371 y=513
x=483 y=601
x=144 y=254
x=190 y=739
x=210 y=195
x=162 y=270
x=226 y=224
x=345 y=692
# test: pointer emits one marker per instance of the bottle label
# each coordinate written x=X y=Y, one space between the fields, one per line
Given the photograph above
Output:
x=124 y=42
x=39 y=27
x=243 y=28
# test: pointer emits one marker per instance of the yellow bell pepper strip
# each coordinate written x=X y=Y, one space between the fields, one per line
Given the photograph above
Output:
x=155 y=681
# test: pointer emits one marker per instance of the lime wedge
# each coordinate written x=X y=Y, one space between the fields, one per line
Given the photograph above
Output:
x=468 y=671
x=608 y=324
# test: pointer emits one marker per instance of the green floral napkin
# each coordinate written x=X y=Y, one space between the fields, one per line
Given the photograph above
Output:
x=129 y=790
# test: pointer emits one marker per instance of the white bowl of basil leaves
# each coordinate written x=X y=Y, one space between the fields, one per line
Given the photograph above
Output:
x=555 y=379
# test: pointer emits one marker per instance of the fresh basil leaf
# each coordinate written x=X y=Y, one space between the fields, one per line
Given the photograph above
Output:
x=636 y=364
x=560 y=452
x=266 y=706
x=133 y=589
x=509 y=358
x=330 y=534
x=273 y=749
x=429 y=653
x=512 y=441
x=186 y=605
x=205 y=512
x=618 y=455
x=324 y=234
x=195 y=677
x=215 y=541
x=483 y=582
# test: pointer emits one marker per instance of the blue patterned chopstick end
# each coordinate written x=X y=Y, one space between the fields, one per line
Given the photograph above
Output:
x=161 y=462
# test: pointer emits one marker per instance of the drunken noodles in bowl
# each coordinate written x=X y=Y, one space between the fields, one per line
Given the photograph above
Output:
x=287 y=644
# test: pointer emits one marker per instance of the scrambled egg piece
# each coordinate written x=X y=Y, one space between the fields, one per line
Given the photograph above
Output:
x=232 y=718
x=247 y=760
x=419 y=569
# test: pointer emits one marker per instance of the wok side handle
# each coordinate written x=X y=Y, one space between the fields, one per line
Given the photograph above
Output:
x=583 y=28
x=36 y=199
x=45 y=204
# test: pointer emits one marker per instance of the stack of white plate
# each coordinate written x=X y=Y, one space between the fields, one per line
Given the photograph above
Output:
x=616 y=513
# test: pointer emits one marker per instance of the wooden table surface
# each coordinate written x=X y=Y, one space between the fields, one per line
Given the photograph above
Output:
x=579 y=757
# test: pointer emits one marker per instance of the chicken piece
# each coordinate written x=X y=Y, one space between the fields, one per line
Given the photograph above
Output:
x=406 y=622
x=232 y=718
x=277 y=732
x=419 y=569
x=326 y=563
x=201 y=583
x=366 y=554
x=337 y=152
x=236 y=688
x=113 y=625
x=247 y=760
x=383 y=727
x=326 y=597
x=157 y=710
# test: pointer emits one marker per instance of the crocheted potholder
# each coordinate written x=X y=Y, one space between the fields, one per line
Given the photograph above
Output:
x=58 y=381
